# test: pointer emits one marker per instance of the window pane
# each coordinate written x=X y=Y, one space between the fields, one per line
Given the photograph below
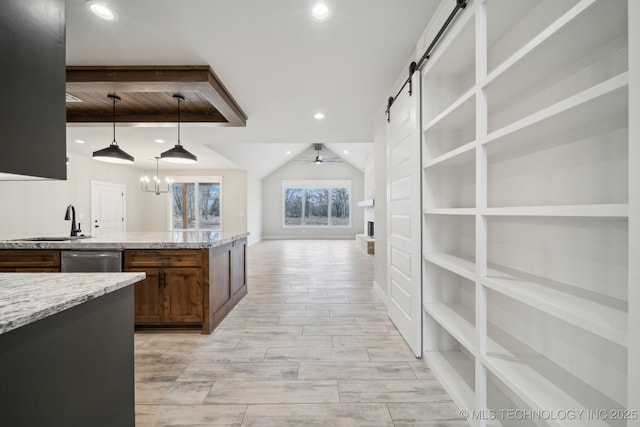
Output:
x=339 y=206
x=292 y=206
x=209 y=210
x=316 y=207
x=182 y=211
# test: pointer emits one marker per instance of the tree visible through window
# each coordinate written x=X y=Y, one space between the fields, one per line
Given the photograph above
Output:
x=195 y=206
x=183 y=216
x=316 y=206
x=209 y=206
x=292 y=206
x=340 y=206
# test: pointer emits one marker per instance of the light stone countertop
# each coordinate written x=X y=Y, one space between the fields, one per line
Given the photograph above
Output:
x=134 y=240
x=28 y=297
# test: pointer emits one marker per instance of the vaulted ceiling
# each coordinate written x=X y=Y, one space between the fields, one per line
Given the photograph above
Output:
x=280 y=66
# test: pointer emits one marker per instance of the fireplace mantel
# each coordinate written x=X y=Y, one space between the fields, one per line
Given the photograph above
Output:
x=366 y=203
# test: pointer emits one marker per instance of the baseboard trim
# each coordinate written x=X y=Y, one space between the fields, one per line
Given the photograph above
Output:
x=381 y=294
x=310 y=237
x=253 y=242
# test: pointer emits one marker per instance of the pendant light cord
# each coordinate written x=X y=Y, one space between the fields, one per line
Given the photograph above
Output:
x=179 y=100
x=114 y=99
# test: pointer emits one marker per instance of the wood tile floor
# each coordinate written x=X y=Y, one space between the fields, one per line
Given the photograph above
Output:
x=310 y=345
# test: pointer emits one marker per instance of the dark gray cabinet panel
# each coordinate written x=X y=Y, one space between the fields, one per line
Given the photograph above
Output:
x=74 y=368
x=32 y=108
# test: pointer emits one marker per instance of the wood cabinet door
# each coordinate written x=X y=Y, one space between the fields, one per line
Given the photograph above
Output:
x=13 y=259
x=148 y=297
x=220 y=272
x=238 y=270
x=183 y=295
x=163 y=258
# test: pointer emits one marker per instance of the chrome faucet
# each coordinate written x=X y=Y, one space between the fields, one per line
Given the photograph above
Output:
x=71 y=216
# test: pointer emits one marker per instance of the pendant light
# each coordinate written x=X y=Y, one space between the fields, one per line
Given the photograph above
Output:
x=178 y=154
x=113 y=153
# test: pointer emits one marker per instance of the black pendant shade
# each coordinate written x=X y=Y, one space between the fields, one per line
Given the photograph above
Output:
x=178 y=154
x=113 y=153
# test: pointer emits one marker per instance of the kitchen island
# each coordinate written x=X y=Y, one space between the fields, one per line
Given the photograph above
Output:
x=193 y=279
x=66 y=349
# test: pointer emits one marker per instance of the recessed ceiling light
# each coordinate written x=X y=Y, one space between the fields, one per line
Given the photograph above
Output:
x=320 y=12
x=346 y=151
x=79 y=141
x=101 y=10
x=159 y=141
x=318 y=116
x=288 y=152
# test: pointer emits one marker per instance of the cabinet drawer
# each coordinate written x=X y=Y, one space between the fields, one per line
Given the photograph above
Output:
x=30 y=258
x=163 y=258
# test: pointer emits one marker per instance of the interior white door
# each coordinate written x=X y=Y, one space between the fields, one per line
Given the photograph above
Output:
x=107 y=208
x=403 y=217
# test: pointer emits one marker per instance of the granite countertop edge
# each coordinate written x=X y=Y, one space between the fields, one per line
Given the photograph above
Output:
x=97 y=243
x=28 y=297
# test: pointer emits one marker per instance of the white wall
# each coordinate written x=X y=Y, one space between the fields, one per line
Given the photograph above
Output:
x=380 y=156
x=272 y=198
x=634 y=210
x=35 y=208
x=31 y=208
x=369 y=191
x=254 y=208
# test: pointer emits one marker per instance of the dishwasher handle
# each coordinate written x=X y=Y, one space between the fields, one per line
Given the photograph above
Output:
x=90 y=261
x=106 y=255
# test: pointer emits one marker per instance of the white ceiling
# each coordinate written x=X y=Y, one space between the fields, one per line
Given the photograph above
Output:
x=280 y=65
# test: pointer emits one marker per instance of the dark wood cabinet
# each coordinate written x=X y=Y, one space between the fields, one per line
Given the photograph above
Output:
x=228 y=271
x=148 y=297
x=173 y=292
x=227 y=278
x=29 y=270
x=183 y=295
x=184 y=288
x=238 y=265
x=29 y=261
x=163 y=257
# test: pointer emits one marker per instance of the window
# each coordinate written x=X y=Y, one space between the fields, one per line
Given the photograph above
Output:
x=316 y=203
x=195 y=204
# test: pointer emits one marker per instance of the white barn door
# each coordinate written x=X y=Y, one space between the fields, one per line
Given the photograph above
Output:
x=403 y=216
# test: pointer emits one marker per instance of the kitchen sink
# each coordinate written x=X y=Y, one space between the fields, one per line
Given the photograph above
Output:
x=53 y=239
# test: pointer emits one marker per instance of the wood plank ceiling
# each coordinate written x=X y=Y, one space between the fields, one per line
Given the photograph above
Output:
x=147 y=96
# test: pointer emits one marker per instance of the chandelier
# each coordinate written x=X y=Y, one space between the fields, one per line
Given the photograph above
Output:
x=156 y=185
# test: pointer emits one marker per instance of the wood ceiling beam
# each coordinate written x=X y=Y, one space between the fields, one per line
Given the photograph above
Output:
x=137 y=85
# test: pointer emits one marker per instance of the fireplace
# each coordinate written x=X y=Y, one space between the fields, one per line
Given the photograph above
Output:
x=370 y=231
x=367 y=240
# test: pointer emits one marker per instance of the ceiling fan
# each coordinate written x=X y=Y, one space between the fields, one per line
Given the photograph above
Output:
x=319 y=158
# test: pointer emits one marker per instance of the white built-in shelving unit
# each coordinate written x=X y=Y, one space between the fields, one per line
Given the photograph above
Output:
x=525 y=209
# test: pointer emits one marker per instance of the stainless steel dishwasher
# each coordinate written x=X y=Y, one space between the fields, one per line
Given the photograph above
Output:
x=90 y=261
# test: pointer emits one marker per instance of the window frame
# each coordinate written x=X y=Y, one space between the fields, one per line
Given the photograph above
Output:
x=197 y=180
x=324 y=184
